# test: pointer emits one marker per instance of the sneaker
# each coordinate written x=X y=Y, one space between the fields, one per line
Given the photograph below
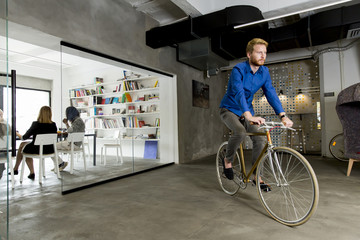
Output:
x=62 y=166
x=229 y=174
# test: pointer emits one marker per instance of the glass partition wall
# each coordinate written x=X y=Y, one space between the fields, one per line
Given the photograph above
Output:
x=5 y=143
x=121 y=105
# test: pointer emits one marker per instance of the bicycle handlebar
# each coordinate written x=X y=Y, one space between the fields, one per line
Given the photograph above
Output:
x=269 y=125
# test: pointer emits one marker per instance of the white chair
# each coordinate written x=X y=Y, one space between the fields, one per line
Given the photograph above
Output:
x=42 y=140
x=10 y=166
x=72 y=138
x=86 y=143
x=116 y=144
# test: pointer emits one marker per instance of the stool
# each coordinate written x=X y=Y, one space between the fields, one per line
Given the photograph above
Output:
x=351 y=162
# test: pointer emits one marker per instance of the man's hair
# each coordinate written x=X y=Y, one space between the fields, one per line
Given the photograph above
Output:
x=45 y=115
x=253 y=42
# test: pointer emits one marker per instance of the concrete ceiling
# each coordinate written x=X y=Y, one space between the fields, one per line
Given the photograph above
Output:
x=170 y=11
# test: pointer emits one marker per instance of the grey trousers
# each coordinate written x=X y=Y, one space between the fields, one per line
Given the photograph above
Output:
x=232 y=121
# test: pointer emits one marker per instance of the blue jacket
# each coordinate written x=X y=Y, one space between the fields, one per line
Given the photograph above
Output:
x=242 y=86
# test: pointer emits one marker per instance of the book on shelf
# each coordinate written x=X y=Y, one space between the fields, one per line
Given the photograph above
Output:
x=117 y=88
x=81 y=103
x=100 y=90
x=98 y=111
x=150 y=150
x=97 y=100
x=141 y=123
x=133 y=122
x=128 y=97
x=111 y=123
x=157 y=135
x=131 y=85
x=99 y=80
x=123 y=98
x=131 y=109
x=107 y=100
x=157 y=122
x=115 y=100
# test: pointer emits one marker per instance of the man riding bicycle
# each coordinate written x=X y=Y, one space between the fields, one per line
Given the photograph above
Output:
x=236 y=109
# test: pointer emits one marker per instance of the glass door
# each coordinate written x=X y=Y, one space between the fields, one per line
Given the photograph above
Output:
x=119 y=103
x=5 y=142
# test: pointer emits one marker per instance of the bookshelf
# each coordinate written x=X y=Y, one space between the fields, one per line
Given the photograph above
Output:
x=130 y=105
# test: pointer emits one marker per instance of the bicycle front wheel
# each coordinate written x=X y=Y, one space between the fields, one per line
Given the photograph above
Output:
x=228 y=186
x=294 y=193
x=337 y=148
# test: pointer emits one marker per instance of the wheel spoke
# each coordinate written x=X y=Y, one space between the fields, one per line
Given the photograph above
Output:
x=228 y=186
x=294 y=190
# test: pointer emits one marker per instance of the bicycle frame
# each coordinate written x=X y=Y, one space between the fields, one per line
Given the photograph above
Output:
x=286 y=174
x=267 y=148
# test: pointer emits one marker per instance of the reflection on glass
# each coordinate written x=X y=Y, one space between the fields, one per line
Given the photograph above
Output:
x=28 y=104
x=120 y=105
x=4 y=156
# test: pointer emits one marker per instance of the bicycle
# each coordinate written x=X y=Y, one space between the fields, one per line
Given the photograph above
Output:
x=294 y=189
x=337 y=148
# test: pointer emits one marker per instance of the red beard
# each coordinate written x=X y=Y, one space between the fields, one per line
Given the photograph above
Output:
x=258 y=62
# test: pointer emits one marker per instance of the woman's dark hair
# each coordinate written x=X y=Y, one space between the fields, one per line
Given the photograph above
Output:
x=72 y=113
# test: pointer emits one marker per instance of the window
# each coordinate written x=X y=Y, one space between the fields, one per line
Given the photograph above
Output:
x=28 y=104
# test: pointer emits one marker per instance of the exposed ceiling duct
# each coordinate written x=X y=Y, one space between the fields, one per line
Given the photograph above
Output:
x=217 y=31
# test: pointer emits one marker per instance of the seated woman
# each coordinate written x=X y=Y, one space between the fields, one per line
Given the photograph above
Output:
x=43 y=125
x=77 y=125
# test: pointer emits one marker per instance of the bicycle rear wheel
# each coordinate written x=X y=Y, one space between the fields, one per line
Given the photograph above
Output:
x=337 y=148
x=228 y=186
x=294 y=187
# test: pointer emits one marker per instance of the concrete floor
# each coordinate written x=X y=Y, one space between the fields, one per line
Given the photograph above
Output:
x=182 y=202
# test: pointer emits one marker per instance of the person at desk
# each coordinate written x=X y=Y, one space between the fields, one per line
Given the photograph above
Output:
x=77 y=125
x=43 y=125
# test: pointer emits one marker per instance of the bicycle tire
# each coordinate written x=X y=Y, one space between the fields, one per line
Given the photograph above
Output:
x=230 y=187
x=337 y=148
x=294 y=195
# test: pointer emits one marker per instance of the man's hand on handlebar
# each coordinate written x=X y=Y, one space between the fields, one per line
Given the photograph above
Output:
x=256 y=120
x=287 y=122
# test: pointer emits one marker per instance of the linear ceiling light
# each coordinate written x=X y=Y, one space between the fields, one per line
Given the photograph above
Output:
x=290 y=14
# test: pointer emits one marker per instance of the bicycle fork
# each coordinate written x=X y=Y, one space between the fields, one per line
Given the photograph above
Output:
x=275 y=160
